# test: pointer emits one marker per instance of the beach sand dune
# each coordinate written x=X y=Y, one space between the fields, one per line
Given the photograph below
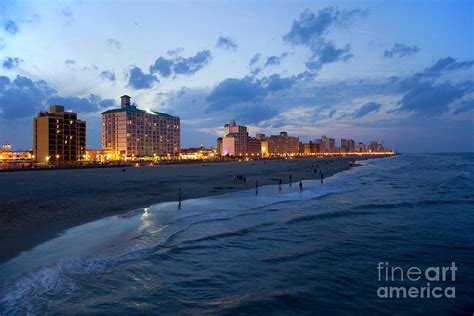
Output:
x=37 y=205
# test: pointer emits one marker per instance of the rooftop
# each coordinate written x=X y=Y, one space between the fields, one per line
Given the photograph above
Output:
x=135 y=110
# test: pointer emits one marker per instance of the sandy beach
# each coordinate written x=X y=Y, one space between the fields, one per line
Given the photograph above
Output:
x=38 y=205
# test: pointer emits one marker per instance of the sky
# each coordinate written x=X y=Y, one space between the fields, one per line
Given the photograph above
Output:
x=398 y=72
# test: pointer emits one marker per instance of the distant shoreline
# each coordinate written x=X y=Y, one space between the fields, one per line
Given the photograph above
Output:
x=37 y=206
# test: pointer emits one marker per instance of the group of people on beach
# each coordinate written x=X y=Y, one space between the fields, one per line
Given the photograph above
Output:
x=243 y=179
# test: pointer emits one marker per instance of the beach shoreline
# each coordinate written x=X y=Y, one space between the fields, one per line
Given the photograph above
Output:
x=38 y=206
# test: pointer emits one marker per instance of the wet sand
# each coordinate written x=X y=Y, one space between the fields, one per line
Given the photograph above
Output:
x=38 y=205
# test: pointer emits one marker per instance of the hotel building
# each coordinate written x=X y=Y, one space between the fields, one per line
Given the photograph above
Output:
x=58 y=136
x=129 y=132
x=235 y=140
x=347 y=145
x=280 y=144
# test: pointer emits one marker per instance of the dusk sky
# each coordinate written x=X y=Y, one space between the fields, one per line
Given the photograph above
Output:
x=401 y=72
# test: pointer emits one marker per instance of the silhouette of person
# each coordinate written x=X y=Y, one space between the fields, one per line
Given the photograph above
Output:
x=301 y=185
x=279 y=184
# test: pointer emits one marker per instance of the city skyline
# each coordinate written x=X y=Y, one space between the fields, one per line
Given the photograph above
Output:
x=333 y=68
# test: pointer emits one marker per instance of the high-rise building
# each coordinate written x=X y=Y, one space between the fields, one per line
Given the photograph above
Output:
x=131 y=132
x=254 y=146
x=235 y=141
x=58 y=136
x=347 y=145
x=281 y=144
x=327 y=145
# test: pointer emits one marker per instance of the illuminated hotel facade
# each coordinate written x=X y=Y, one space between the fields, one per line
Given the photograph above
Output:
x=58 y=136
x=129 y=132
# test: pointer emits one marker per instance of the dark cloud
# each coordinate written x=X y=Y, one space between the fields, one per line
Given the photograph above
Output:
x=69 y=62
x=400 y=50
x=226 y=43
x=114 y=43
x=162 y=66
x=255 y=113
x=254 y=59
x=366 y=109
x=234 y=91
x=23 y=98
x=272 y=61
x=11 y=27
x=11 y=62
x=190 y=65
x=139 y=80
x=108 y=75
x=275 y=60
x=464 y=106
x=181 y=65
x=92 y=103
x=236 y=94
x=325 y=53
x=447 y=64
x=426 y=98
x=275 y=82
x=310 y=30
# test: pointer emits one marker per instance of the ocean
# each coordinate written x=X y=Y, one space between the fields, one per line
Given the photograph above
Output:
x=333 y=248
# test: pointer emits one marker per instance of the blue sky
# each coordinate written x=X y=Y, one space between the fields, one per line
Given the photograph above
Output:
x=400 y=72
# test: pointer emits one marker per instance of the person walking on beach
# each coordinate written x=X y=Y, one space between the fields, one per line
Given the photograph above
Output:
x=180 y=194
x=256 y=187
x=279 y=184
x=291 y=178
x=322 y=177
x=301 y=185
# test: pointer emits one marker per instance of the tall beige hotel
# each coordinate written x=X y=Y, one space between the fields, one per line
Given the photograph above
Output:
x=58 y=136
x=129 y=132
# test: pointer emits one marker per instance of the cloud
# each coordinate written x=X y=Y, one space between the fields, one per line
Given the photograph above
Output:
x=162 y=66
x=226 y=43
x=366 y=109
x=447 y=64
x=325 y=53
x=92 y=103
x=181 y=65
x=69 y=62
x=400 y=50
x=311 y=29
x=11 y=27
x=175 y=52
x=234 y=91
x=190 y=65
x=254 y=59
x=23 y=98
x=108 y=75
x=275 y=82
x=114 y=43
x=139 y=80
x=428 y=99
x=464 y=106
x=11 y=62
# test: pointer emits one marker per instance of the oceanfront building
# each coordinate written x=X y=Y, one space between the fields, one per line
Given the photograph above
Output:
x=235 y=140
x=347 y=145
x=277 y=145
x=58 y=136
x=129 y=132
